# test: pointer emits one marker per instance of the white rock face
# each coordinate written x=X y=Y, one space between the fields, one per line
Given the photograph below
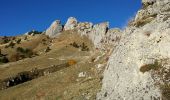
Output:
x=138 y=46
x=98 y=33
x=54 y=29
x=113 y=36
x=71 y=24
x=84 y=28
x=154 y=8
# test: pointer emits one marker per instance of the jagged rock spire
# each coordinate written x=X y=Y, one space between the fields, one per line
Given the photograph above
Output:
x=54 y=29
x=96 y=33
x=99 y=32
x=71 y=23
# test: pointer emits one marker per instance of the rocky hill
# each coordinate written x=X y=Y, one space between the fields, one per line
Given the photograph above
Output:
x=63 y=62
x=86 y=61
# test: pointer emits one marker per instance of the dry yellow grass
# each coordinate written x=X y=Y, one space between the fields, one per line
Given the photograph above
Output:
x=71 y=62
x=61 y=85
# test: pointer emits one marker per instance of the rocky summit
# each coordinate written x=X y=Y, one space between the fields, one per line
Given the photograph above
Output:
x=87 y=61
x=54 y=29
x=98 y=33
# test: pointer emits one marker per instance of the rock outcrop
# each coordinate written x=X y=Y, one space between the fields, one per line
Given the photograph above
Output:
x=54 y=29
x=71 y=24
x=138 y=67
x=112 y=36
x=99 y=34
x=84 y=28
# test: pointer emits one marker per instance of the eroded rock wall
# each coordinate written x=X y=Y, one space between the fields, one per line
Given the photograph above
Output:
x=140 y=45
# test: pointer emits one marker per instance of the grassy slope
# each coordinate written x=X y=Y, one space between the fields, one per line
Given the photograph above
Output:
x=64 y=84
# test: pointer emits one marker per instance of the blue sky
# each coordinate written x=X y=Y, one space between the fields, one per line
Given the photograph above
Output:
x=20 y=16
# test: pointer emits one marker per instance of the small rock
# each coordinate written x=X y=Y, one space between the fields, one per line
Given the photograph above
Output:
x=82 y=74
x=99 y=66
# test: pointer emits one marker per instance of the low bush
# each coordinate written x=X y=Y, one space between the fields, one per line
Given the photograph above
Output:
x=4 y=59
x=83 y=47
x=47 y=49
x=18 y=41
x=24 y=53
x=147 y=33
x=34 y=32
x=155 y=66
x=6 y=39
x=74 y=44
x=165 y=91
x=25 y=38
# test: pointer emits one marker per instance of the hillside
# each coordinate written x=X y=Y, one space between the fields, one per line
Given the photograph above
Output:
x=64 y=72
x=86 y=61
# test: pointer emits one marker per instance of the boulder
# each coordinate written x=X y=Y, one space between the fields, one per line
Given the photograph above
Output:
x=71 y=24
x=54 y=29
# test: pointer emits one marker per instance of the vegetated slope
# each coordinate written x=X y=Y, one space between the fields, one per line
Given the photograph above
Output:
x=43 y=76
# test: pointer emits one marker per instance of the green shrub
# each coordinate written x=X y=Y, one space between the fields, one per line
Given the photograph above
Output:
x=6 y=39
x=83 y=47
x=18 y=41
x=34 y=32
x=47 y=49
x=4 y=59
x=75 y=45
x=25 y=38
x=24 y=53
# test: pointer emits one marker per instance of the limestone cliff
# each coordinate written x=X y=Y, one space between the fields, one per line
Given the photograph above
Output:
x=139 y=66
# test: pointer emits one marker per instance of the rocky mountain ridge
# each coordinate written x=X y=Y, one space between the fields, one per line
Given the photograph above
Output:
x=99 y=34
